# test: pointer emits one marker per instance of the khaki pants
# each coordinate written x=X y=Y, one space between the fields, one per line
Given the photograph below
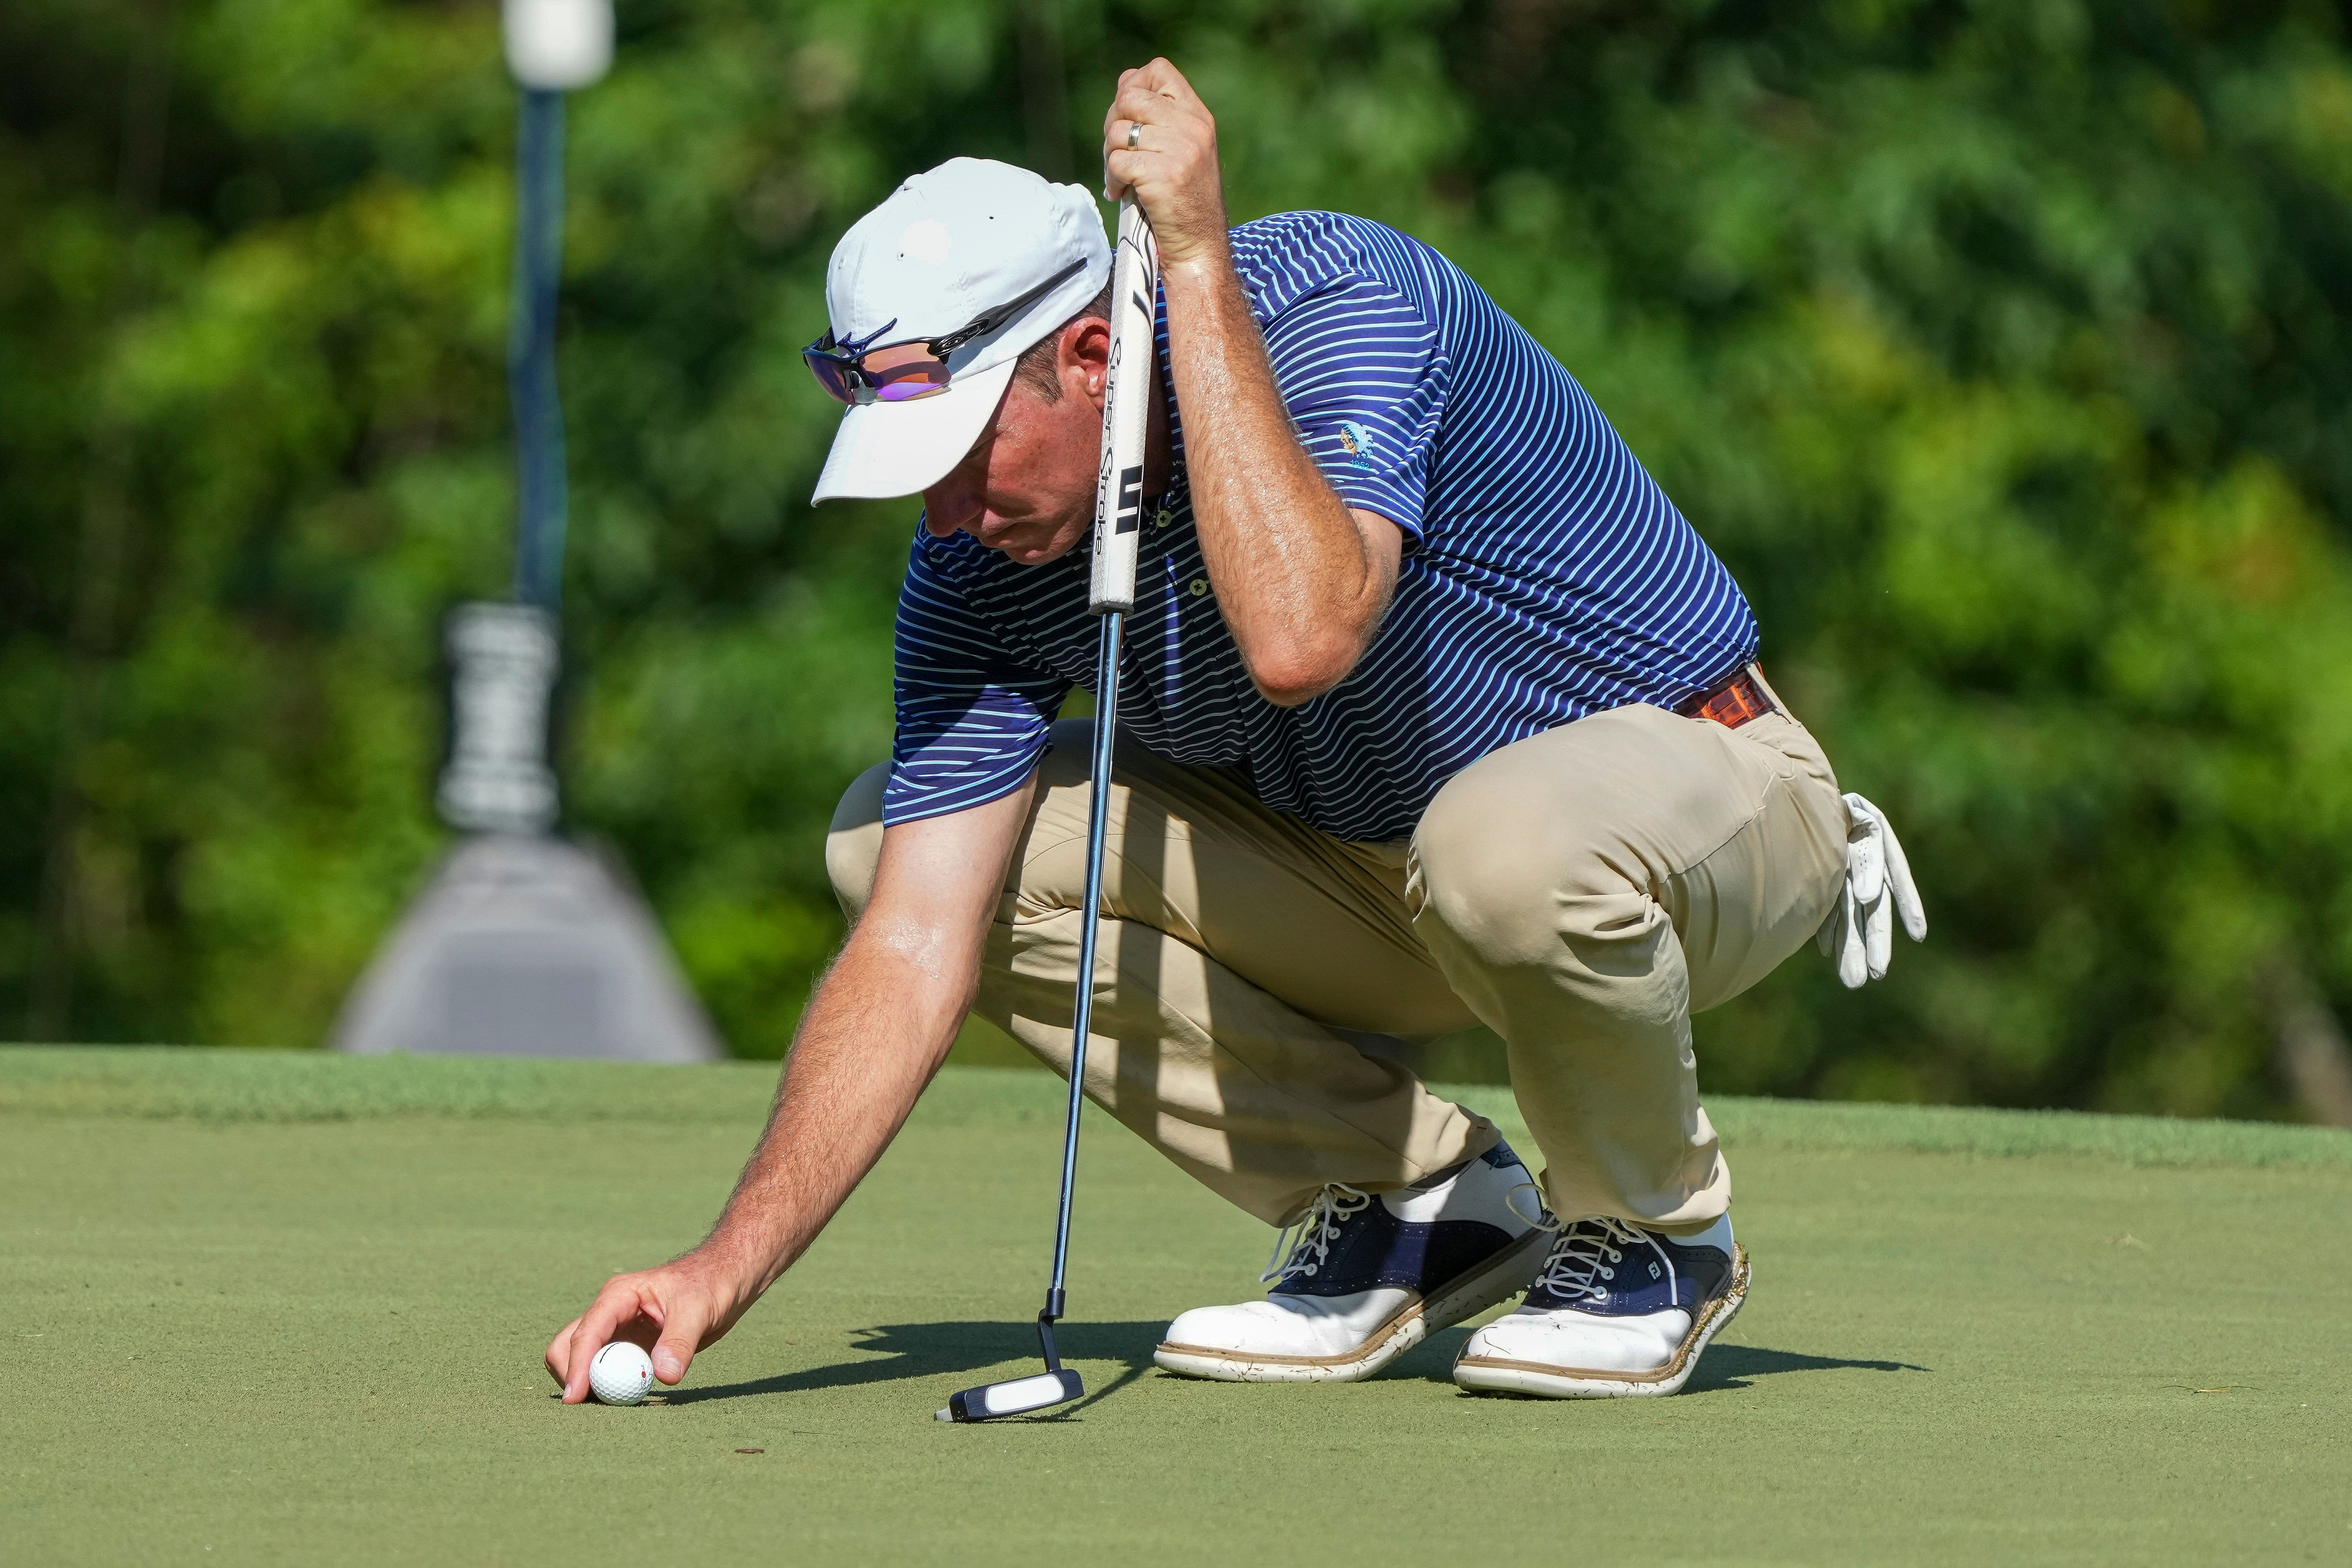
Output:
x=1582 y=893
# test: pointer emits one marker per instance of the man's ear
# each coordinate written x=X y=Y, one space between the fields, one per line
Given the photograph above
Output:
x=1083 y=362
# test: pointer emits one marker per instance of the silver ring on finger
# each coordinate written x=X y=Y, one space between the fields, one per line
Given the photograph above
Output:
x=1134 y=136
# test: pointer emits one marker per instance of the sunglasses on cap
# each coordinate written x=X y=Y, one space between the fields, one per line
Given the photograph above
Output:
x=860 y=370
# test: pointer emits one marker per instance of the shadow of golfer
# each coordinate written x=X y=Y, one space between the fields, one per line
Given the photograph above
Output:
x=1724 y=1367
x=1728 y=1366
x=897 y=1352
x=901 y=1350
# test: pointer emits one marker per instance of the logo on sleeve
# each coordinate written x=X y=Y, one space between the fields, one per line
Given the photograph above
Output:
x=1356 y=442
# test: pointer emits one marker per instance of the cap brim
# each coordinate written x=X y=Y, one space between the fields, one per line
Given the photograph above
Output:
x=885 y=449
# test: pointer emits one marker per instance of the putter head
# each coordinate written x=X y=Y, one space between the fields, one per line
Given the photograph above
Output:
x=1017 y=1396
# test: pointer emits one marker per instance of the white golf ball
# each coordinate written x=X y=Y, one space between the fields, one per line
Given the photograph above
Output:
x=621 y=1374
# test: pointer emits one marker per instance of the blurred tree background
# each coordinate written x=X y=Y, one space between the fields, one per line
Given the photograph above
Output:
x=1999 y=346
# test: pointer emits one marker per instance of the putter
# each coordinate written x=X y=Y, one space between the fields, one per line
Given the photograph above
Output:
x=1119 y=520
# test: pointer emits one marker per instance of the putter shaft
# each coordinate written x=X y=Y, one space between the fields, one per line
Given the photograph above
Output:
x=1118 y=521
x=1082 y=1013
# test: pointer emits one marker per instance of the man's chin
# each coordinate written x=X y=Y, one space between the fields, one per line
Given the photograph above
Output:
x=1032 y=552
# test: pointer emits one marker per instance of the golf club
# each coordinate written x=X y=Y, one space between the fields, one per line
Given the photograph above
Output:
x=1118 y=519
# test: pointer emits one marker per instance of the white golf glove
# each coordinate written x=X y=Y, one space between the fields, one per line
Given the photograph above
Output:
x=1861 y=930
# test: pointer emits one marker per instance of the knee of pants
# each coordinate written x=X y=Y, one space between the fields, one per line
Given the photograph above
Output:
x=1510 y=870
x=852 y=845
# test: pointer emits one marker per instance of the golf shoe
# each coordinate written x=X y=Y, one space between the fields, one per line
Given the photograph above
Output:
x=1617 y=1311
x=1370 y=1276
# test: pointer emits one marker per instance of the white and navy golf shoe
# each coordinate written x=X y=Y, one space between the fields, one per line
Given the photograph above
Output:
x=1372 y=1276
x=1618 y=1311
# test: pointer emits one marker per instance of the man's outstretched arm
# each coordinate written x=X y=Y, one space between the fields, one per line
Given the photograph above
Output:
x=877 y=1028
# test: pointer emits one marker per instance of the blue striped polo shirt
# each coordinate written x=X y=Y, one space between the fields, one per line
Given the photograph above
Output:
x=1545 y=576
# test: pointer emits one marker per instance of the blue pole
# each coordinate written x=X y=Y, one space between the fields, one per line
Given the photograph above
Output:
x=541 y=493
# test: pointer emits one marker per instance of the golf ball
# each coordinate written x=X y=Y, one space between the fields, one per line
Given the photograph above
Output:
x=621 y=1374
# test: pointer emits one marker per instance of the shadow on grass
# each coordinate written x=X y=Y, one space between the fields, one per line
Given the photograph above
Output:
x=932 y=1350
x=1732 y=1366
x=1723 y=1367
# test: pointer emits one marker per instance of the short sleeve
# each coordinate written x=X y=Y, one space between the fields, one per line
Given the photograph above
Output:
x=1360 y=371
x=972 y=720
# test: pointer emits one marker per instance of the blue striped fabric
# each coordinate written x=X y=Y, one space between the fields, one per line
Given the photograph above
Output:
x=1545 y=575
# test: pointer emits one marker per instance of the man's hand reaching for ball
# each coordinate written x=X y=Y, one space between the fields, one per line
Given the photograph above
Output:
x=674 y=1311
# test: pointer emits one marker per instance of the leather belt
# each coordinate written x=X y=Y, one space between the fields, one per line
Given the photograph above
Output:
x=1733 y=701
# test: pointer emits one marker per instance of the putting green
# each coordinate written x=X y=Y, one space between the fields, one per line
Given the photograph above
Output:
x=290 y=1308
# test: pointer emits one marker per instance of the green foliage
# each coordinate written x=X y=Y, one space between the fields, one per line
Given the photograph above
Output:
x=1999 y=346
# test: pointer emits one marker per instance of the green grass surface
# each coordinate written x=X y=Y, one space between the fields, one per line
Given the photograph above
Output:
x=290 y=1308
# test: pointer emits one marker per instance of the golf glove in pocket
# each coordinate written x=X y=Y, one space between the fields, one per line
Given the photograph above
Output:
x=1860 y=933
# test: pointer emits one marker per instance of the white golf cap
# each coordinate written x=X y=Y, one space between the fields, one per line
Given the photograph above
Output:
x=948 y=246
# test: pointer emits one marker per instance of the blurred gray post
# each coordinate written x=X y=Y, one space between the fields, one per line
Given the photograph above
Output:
x=524 y=944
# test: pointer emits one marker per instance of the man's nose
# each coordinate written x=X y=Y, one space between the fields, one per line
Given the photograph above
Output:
x=949 y=507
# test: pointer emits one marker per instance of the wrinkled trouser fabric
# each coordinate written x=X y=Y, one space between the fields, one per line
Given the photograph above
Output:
x=1582 y=893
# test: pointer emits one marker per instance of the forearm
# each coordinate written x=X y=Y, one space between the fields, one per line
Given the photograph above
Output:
x=1296 y=581
x=874 y=1031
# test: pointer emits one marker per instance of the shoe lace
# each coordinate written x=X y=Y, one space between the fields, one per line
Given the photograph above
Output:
x=1543 y=1218
x=1584 y=1259
x=1333 y=1206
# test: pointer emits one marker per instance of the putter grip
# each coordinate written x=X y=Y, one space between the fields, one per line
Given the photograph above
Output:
x=1127 y=401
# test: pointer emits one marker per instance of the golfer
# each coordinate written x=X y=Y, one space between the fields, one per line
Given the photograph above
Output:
x=1437 y=713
